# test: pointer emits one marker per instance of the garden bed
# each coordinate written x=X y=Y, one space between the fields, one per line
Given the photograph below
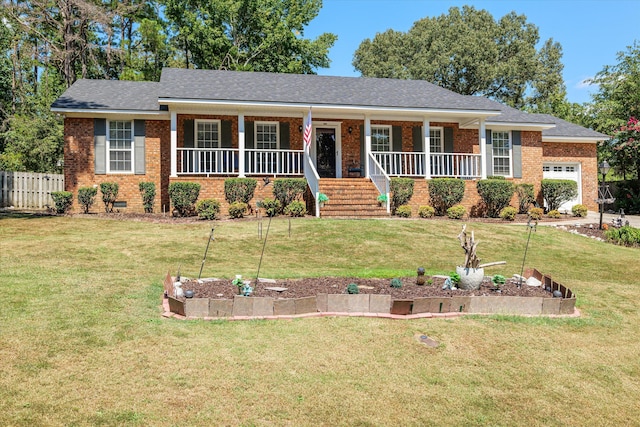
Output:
x=218 y=298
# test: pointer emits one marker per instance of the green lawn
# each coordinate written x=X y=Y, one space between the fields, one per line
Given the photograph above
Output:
x=82 y=340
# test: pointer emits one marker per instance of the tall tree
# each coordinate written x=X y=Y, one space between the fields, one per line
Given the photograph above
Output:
x=256 y=35
x=471 y=53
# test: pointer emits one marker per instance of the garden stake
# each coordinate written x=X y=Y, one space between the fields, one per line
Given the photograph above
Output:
x=534 y=228
x=205 y=251
x=266 y=236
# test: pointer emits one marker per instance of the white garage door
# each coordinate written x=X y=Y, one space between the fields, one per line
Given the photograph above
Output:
x=564 y=171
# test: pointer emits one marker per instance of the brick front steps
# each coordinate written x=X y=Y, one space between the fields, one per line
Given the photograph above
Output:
x=371 y=305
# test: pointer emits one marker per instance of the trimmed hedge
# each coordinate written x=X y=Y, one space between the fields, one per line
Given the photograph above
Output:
x=208 y=208
x=63 y=201
x=239 y=189
x=401 y=192
x=496 y=195
x=270 y=206
x=526 y=197
x=456 y=212
x=148 y=193
x=445 y=193
x=237 y=209
x=183 y=197
x=86 y=197
x=403 y=211
x=286 y=190
x=296 y=208
x=109 y=192
x=426 y=211
x=558 y=191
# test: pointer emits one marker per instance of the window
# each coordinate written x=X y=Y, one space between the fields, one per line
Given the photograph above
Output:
x=267 y=136
x=207 y=133
x=120 y=146
x=557 y=168
x=436 y=144
x=570 y=169
x=380 y=138
x=501 y=153
x=546 y=169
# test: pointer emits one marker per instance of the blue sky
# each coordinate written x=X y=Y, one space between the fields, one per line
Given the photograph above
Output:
x=591 y=32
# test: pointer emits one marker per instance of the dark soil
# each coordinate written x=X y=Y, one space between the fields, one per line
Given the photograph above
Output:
x=590 y=230
x=298 y=288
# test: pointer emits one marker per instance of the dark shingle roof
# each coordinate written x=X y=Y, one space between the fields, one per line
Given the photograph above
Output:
x=309 y=89
x=566 y=129
x=110 y=95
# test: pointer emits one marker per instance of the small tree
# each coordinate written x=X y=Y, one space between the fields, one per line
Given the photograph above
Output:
x=109 y=192
x=86 y=197
x=558 y=191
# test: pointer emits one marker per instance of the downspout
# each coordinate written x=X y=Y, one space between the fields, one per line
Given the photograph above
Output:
x=241 y=145
x=174 y=144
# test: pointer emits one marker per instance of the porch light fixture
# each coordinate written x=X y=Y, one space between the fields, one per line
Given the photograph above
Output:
x=350 y=129
x=300 y=128
x=604 y=195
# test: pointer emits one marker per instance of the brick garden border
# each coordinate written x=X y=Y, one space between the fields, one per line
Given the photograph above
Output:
x=369 y=305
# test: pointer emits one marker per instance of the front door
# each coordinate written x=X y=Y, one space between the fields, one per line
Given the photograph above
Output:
x=326 y=152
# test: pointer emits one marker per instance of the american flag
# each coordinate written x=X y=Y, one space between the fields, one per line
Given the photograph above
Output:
x=307 y=132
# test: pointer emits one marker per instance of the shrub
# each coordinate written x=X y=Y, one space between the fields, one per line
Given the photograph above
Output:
x=239 y=189
x=403 y=211
x=456 y=212
x=352 y=288
x=401 y=191
x=498 y=280
x=208 y=208
x=508 y=213
x=496 y=195
x=109 y=192
x=183 y=197
x=558 y=191
x=296 y=208
x=579 y=210
x=148 y=193
x=286 y=190
x=426 y=211
x=270 y=206
x=526 y=197
x=536 y=213
x=86 y=197
x=496 y=177
x=627 y=196
x=63 y=201
x=554 y=214
x=444 y=193
x=626 y=236
x=396 y=283
x=237 y=209
x=455 y=278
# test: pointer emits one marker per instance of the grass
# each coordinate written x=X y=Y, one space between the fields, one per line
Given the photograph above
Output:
x=82 y=341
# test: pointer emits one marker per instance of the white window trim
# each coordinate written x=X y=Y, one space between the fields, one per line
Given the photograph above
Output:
x=493 y=164
x=195 y=132
x=108 y=148
x=255 y=133
x=373 y=127
x=441 y=129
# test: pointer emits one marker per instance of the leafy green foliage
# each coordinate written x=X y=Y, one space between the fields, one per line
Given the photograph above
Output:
x=352 y=288
x=579 y=210
x=456 y=212
x=183 y=197
x=628 y=196
x=239 y=189
x=237 y=209
x=297 y=208
x=148 y=193
x=554 y=214
x=469 y=52
x=558 y=191
x=536 y=213
x=208 y=209
x=271 y=206
x=86 y=197
x=455 y=277
x=426 y=211
x=508 y=213
x=498 y=280
x=444 y=193
x=286 y=190
x=396 y=283
x=109 y=192
x=625 y=236
x=526 y=197
x=401 y=191
x=496 y=195
x=62 y=200
x=403 y=211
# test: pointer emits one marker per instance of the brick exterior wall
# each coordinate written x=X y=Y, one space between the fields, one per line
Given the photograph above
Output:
x=79 y=160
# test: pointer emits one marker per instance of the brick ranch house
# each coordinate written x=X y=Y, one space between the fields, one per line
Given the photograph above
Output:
x=205 y=126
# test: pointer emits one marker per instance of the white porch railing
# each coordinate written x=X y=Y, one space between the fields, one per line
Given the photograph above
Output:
x=410 y=164
x=274 y=162
x=379 y=178
x=207 y=161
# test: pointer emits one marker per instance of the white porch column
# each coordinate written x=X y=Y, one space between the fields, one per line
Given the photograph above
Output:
x=367 y=145
x=482 y=138
x=427 y=148
x=174 y=145
x=241 y=145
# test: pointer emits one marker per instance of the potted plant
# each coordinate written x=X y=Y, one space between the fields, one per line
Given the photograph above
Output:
x=322 y=199
x=471 y=273
x=382 y=199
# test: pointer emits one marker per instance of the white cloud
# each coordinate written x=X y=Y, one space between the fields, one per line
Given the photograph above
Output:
x=585 y=83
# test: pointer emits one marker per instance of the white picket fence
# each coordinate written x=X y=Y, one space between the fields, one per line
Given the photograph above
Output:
x=28 y=190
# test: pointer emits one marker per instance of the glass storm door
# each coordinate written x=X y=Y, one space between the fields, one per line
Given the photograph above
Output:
x=326 y=152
